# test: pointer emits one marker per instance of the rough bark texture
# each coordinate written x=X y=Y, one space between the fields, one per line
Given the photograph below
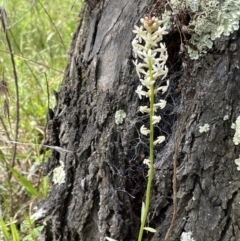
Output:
x=105 y=177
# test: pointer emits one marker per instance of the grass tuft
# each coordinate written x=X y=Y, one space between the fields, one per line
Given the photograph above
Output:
x=34 y=38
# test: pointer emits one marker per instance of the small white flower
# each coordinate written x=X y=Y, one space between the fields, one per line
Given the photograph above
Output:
x=160 y=32
x=149 y=57
x=204 y=128
x=161 y=104
x=150 y=41
x=147 y=82
x=146 y=162
x=163 y=54
x=135 y=44
x=140 y=92
x=163 y=58
x=162 y=49
x=139 y=68
x=156 y=119
x=144 y=130
x=159 y=140
x=158 y=70
x=144 y=109
x=163 y=88
x=138 y=49
x=142 y=20
x=140 y=33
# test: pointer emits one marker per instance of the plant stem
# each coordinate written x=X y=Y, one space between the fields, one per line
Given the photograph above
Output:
x=151 y=169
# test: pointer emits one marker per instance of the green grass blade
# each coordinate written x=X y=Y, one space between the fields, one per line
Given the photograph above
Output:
x=26 y=184
x=15 y=235
x=4 y=230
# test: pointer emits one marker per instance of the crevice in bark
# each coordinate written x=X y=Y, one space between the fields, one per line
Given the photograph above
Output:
x=228 y=221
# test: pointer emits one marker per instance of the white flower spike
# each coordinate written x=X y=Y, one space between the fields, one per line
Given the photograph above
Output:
x=151 y=64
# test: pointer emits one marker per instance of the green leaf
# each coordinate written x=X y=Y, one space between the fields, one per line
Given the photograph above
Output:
x=26 y=184
x=152 y=230
x=15 y=235
x=27 y=238
x=25 y=224
x=142 y=211
x=110 y=239
x=5 y=230
x=37 y=231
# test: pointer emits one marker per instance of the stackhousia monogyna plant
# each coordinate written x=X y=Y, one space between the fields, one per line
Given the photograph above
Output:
x=151 y=56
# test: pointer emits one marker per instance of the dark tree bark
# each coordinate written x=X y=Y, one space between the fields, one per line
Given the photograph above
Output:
x=105 y=175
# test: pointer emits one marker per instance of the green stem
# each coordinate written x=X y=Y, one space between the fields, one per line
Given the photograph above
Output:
x=151 y=168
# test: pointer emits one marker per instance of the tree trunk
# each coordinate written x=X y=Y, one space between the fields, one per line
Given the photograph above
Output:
x=105 y=175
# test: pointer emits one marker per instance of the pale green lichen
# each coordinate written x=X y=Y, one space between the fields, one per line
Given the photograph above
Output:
x=226 y=117
x=237 y=162
x=236 y=127
x=208 y=21
x=59 y=174
x=236 y=139
x=204 y=128
x=166 y=19
x=119 y=116
x=187 y=236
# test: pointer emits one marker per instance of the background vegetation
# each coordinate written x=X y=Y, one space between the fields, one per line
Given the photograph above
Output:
x=38 y=34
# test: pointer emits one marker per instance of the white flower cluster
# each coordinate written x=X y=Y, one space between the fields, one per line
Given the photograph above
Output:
x=151 y=56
